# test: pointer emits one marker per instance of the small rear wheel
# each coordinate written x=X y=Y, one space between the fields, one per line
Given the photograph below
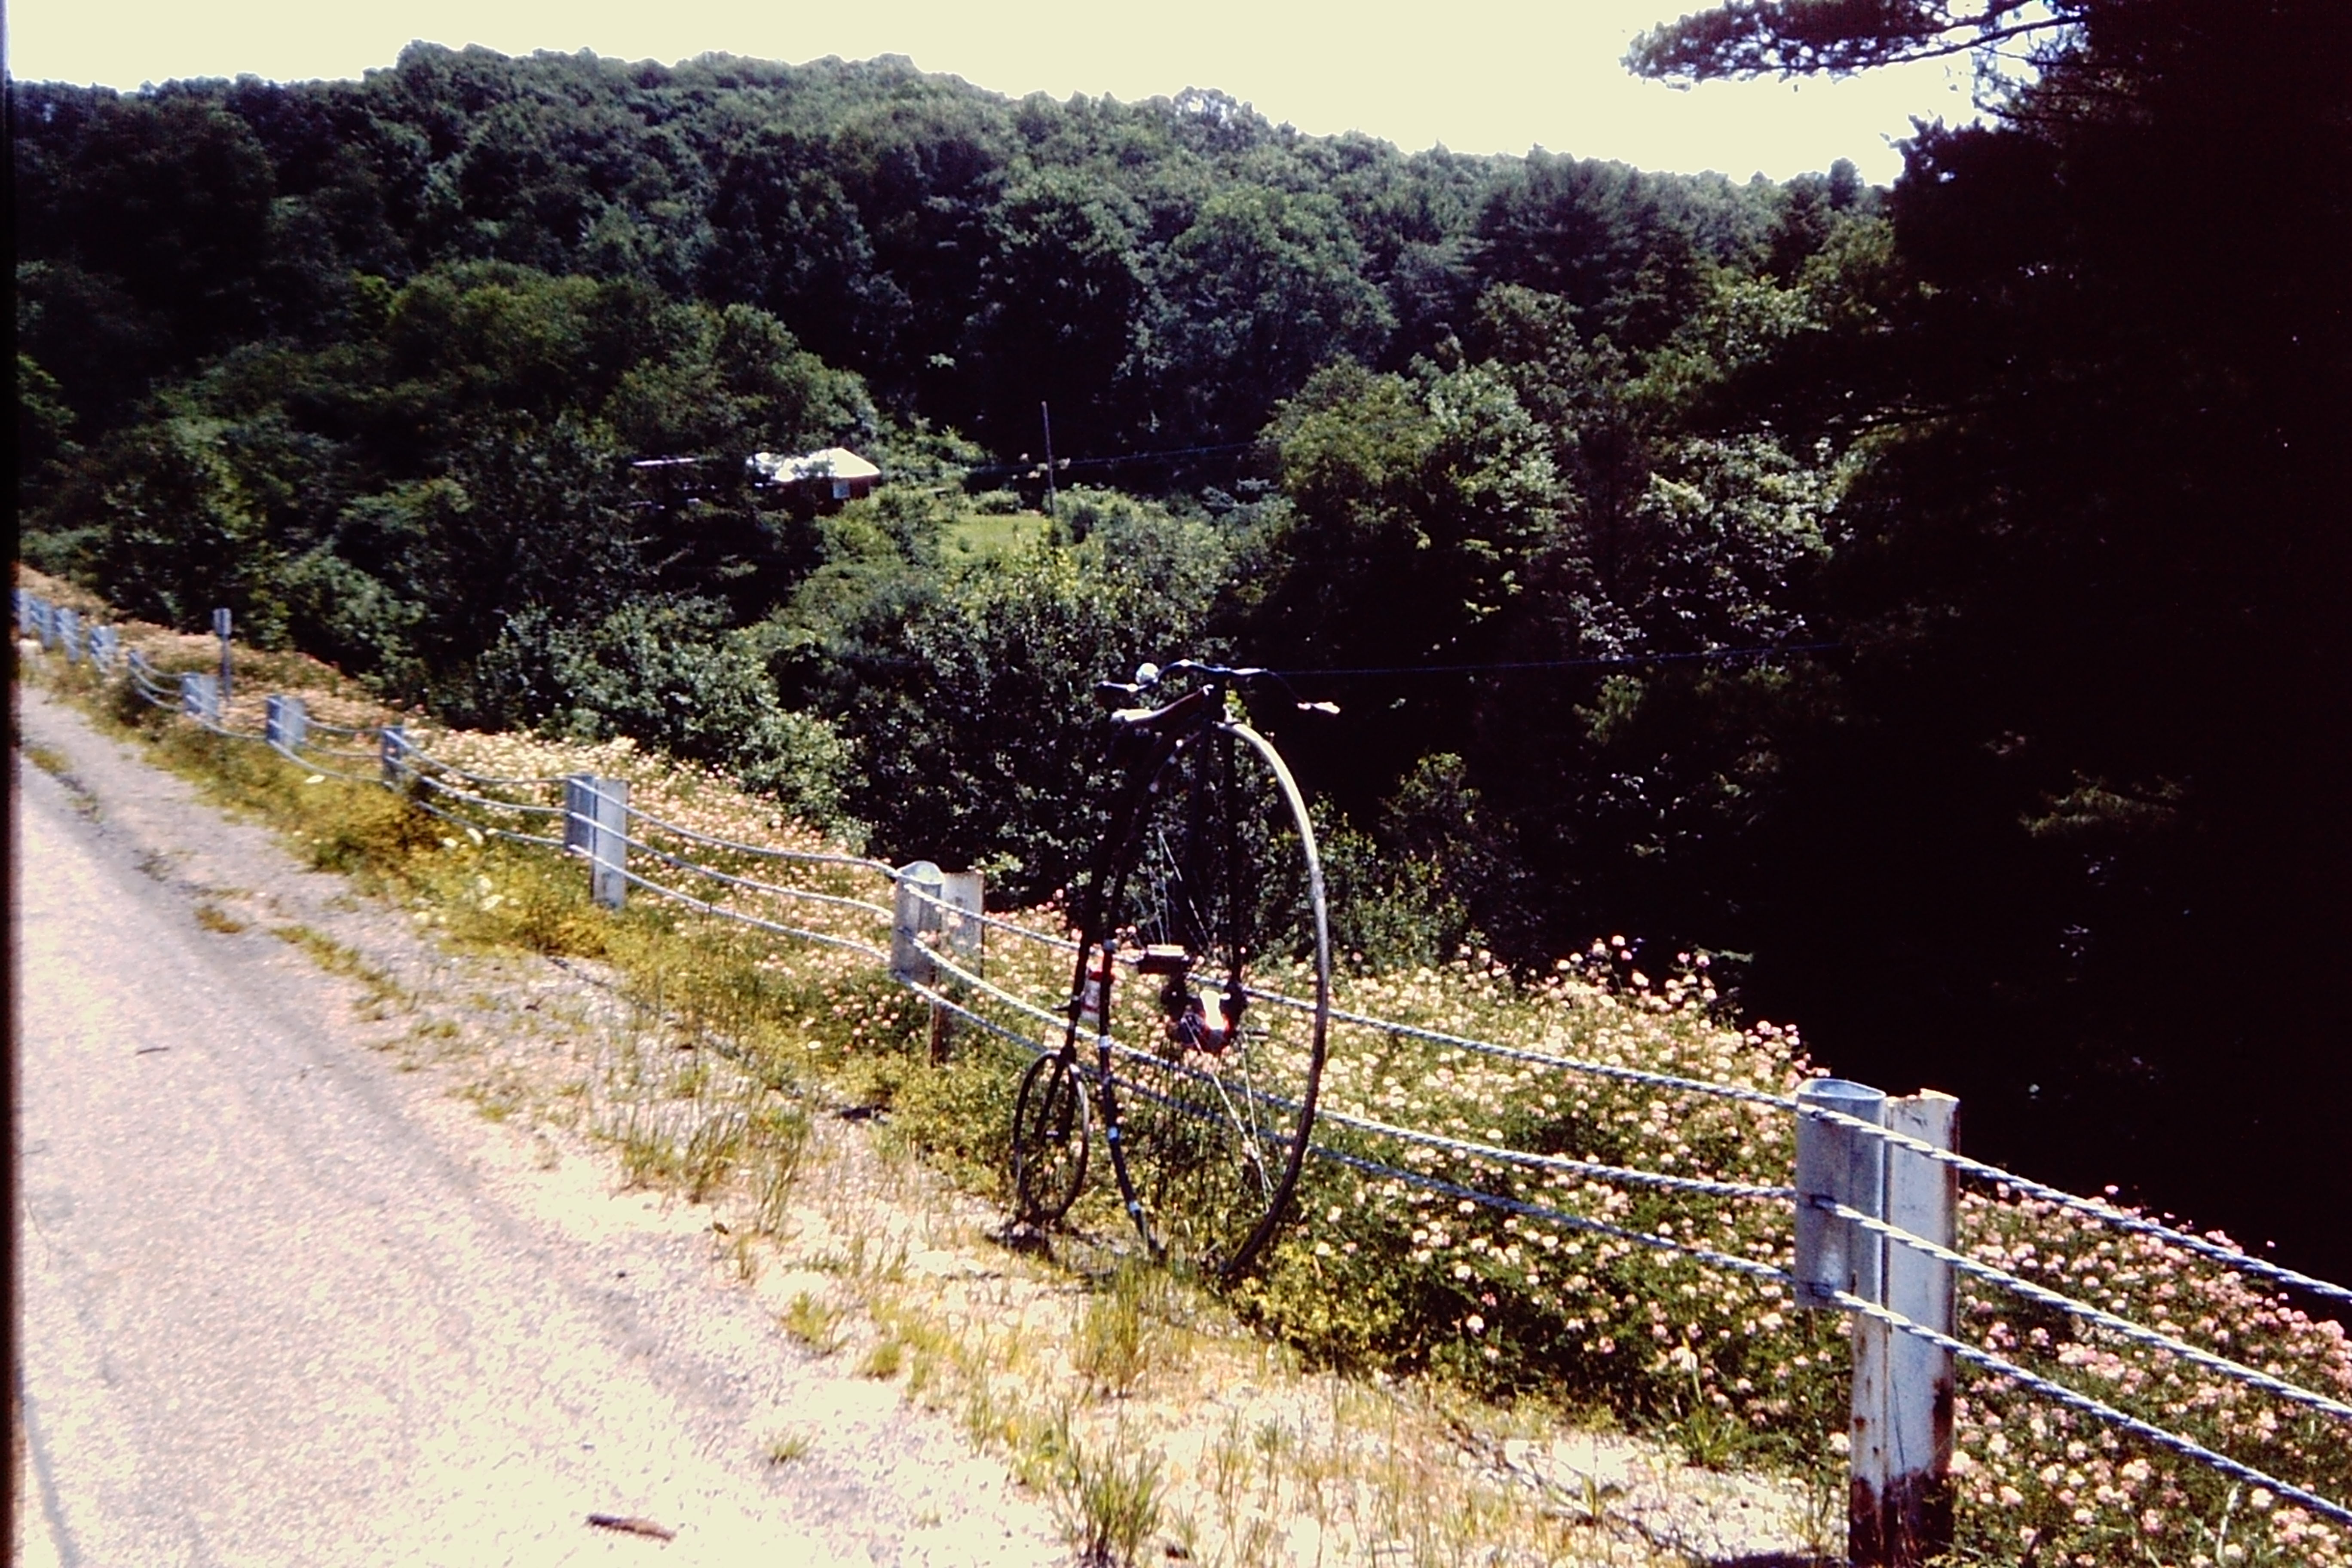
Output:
x=1216 y=1055
x=1049 y=1139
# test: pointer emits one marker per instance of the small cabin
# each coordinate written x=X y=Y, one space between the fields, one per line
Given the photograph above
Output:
x=827 y=478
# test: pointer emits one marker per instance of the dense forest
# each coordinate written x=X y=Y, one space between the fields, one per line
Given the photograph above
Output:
x=1930 y=601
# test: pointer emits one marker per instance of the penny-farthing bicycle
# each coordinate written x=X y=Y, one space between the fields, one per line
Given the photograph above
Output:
x=1200 y=997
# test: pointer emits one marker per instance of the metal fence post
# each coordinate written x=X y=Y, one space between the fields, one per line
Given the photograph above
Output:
x=1902 y=1512
x=912 y=916
x=1838 y=1164
x=200 y=698
x=70 y=635
x=45 y=622
x=285 y=722
x=964 y=893
x=1900 y=1438
x=102 y=646
x=392 y=749
x=24 y=601
x=608 y=849
x=579 y=811
x=221 y=630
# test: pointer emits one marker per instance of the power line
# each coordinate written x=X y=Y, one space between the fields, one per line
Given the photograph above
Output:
x=1621 y=661
x=992 y=470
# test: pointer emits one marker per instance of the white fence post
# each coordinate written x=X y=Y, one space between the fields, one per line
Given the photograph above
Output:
x=1909 y=1507
x=285 y=722
x=200 y=698
x=102 y=646
x=70 y=635
x=579 y=811
x=912 y=915
x=1900 y=1437
x=1839 y=1164
x=220 y=629
x=391 y=751
x=965 y=894
x=608 y=849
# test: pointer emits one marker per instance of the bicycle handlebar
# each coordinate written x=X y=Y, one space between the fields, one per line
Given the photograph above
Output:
x=1122 y=694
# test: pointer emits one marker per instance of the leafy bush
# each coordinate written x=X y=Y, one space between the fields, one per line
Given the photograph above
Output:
x=671 y=676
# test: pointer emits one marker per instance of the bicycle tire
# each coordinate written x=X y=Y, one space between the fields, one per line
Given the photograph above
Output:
x=1049 y=1139
x=1217 y=863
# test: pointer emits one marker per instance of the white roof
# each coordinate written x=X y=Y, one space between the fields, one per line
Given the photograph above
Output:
x=833 y=463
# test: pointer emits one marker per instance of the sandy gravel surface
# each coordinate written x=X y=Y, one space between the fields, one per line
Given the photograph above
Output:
x=284 y=1302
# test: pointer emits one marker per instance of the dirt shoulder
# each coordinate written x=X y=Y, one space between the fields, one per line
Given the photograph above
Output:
x=290 y=1295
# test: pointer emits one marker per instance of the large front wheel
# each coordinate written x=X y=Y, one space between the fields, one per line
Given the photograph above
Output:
x=1216 y=1050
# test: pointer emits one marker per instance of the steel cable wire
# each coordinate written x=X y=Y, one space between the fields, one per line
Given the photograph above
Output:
x=1698 y=1185
x=808 y=895
x=520 y=808
x=940 y=999
x=1545 y=1212
x=2059 y=1394
x=810 y=857
x=707 y=907
x=2132 y=1224
x=1535 y=1058
x=1466 y=1147
x=488 y=781
x=430 y=809
x=994 y=922
x=301 y=762
x=2221 y=1365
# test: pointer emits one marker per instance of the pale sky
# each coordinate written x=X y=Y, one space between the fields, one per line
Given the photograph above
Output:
x=1479 y=76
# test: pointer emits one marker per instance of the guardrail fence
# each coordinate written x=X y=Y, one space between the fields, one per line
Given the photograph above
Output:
x=1873 y=1198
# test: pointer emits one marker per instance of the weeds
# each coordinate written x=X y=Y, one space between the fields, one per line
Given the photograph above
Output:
x=1110 y=1349
x=58 y=766
x=1111 y=1499
x=383 y=993
x=815 y=1325
x=213 y=918
x=884 y=1360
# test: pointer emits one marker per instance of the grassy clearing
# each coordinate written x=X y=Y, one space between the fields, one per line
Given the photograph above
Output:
x=992 y=535
x=1325 y=1406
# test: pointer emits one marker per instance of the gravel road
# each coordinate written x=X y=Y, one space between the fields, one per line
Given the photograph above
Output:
x=282 y=1303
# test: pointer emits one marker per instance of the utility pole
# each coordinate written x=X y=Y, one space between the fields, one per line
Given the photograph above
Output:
x=1046 y=412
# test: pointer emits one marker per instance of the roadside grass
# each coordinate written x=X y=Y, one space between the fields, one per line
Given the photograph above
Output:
x=58 y=766
x=1395 y=1330
x=213 y=918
